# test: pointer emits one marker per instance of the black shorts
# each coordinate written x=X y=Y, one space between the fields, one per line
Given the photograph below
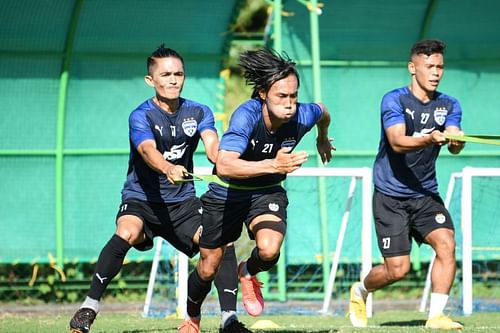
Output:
x=223 y=220
x=397 y=220
x=177 y=223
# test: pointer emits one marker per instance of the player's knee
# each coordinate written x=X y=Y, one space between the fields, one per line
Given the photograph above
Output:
x=445 y=247
x=208 y=266
x=269 y=254
x=265 y=261
x=130 y=236
x=397 y=272
x=130 y=228
x=269 y=243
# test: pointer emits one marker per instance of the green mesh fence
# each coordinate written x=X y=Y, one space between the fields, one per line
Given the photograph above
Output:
x=102 y=48
x=362 y=61
x=106 y=54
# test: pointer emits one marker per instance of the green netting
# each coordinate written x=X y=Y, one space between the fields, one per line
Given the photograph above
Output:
x=106 y=56
x=27 y=209
x=28 y=91
x=34 y=26
x=195 y=28
x=92 y=186
x=353 y=94
x=106 y=66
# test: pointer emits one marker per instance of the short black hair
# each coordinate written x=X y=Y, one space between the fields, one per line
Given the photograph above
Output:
x=428 y=47
x=263 y=67
x=162 y=52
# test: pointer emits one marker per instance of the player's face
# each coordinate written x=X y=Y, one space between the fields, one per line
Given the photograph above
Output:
x=167 y=77
x=427 y=70
x=281 y=99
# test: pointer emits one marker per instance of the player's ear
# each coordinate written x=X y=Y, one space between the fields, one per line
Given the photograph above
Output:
x=262 y=95
x=411 y=67
x=149 y=80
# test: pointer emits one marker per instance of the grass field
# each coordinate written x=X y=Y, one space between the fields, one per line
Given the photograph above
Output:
x=133 y=322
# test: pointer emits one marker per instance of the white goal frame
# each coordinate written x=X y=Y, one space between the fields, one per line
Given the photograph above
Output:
x=466 y=225
x=357 y=174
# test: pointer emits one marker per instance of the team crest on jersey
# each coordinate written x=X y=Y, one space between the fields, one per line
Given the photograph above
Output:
x=440 y=218
x=274 y=207
x=288 y=143
x=440 y=115
x=189 y=127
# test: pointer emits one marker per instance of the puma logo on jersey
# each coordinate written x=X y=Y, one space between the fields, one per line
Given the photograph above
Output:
x=231 y=291
x=159 y=129
x=410 y=112
x=100 y=278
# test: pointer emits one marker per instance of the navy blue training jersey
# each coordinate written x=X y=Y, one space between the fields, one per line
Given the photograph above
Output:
x=176 y=135
x=247 y=134
x=412 y=175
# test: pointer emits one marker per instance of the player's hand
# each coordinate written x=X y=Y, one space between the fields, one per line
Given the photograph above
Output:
x=325 y=147
x=176 y=173
x=286 y=162
x=455 y=146
x=438 y=138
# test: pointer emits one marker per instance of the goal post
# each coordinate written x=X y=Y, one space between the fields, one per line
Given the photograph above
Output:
x=467 y=174
x=362 y=176
x=357 y=174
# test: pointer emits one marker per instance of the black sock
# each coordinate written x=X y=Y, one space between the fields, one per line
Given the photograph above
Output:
x=255 y=264
x=226 y=280
x=108 y=265
x=197 y=291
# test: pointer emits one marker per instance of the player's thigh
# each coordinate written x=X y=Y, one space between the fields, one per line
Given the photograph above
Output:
x=182 y=228
x=138 y=220
x=431 y=218
x=221 y=221
x=391 y=225
x=266 y=210
x=130 y=228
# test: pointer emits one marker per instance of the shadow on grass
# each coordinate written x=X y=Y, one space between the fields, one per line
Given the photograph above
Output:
x=255 y=331
x=299 y=330
x=404 y=323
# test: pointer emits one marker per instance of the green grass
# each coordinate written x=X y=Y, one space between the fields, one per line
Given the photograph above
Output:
x=127 y=322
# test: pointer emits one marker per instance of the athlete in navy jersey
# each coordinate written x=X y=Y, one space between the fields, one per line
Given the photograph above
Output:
x=176 y=136
x=406 y=202
x=248 y=135
x=164 y=132
x=255 y=155
x=413 y=174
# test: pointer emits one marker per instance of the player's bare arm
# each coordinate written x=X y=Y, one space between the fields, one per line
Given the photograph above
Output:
x=155 y=160
x=402 y=143
x=230 y=165
x=211 y=143
x=323 y=142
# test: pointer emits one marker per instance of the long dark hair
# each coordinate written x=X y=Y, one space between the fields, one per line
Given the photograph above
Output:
x=263 y=67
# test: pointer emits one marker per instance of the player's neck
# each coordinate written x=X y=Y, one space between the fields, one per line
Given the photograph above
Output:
x=272 y=123
x=167 y=105
x=421 y=94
